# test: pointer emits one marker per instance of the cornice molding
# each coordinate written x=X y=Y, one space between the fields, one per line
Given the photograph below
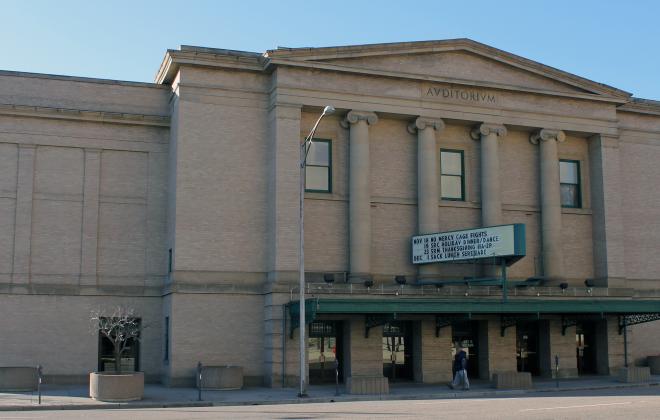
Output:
x=354 y=116
x=421 y=123
x=546 y=134
x=485 y=129
x=84 y=115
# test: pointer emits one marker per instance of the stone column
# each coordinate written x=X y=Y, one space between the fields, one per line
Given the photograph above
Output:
x=23 y=222
x=90 y=226
x=363 y=358
x=432 y=355
x=550 y=201
x=428 y=178
x=359 y=209
x=491 y=192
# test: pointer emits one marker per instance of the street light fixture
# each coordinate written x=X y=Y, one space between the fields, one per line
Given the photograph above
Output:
x=304 y=150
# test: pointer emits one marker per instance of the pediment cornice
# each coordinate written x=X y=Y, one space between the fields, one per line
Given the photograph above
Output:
x=325 y=54
x=322 y=58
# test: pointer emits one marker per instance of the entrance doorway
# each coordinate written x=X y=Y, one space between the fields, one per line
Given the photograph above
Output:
x=398 y=351
x=527 y=347
x=465 y=334
x=585 y=348
x=325 y=348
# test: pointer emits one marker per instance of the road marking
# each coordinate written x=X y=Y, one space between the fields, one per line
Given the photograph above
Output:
x=433 y=402
x=576 y=406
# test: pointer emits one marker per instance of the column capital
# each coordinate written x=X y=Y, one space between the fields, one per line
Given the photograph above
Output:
x=485 y=129
x=354 y=116
x=546 y=134
x=421 y=123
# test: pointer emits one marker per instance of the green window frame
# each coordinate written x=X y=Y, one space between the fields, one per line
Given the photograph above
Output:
x=570 y=183
x=451 y=176
x=318 y=167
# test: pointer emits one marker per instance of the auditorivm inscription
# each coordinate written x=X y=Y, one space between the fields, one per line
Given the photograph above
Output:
x=463 y=94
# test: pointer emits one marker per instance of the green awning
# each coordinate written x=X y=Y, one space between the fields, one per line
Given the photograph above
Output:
x=472 y=306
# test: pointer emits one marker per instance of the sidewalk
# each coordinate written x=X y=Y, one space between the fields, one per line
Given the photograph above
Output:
x=63 y=397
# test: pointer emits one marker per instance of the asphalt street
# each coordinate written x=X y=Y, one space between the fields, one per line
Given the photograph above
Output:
x=629 y=404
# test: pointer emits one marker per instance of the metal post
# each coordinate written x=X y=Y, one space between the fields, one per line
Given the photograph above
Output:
x=304 y=148
x=336 y=375
x=39 y=381
x=301 y=268
x=556 y=370
x=625 y=342
x=505 y=292
x=199 y=381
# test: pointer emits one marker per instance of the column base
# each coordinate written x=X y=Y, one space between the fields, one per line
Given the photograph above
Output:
x=363 y=385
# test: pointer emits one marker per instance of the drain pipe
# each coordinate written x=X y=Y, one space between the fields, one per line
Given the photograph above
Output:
x=283 y=346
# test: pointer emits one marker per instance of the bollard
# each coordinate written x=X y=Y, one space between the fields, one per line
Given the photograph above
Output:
x=556 y=370
x=336 y=376
x=199 y=379
x=39 y=380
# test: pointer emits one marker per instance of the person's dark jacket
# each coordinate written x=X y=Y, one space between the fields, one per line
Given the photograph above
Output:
x=460 y=361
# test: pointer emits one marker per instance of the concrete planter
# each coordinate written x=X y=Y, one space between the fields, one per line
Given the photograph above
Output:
x=221 y=377
x=512 y=380
x=367 y=385
x=18 y=378
x=116 y=387
x=634 y=374
x=654 y=364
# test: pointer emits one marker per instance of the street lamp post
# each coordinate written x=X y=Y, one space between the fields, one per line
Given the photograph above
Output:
x=304 y=149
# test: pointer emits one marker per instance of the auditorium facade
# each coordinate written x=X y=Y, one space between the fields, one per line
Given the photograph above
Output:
x=180 y=198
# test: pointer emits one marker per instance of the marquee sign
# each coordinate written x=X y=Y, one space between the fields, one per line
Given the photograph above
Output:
x=506 y=241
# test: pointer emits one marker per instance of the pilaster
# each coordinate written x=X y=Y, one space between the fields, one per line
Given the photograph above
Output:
x=23 y=221
x=605 y=181
x=283 y=186
x=90 y=225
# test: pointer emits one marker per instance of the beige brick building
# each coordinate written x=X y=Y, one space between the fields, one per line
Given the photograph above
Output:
x=180 y=199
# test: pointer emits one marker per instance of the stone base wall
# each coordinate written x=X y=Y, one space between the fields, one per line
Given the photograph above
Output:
x=367 y=385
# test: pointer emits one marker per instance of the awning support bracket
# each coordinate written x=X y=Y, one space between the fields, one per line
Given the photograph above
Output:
x=442 y=321
x=507 y=322
x=634 y=319
x=567 y=322
x=372 y=321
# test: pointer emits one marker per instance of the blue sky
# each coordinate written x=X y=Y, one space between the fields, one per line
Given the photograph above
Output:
x=612 y=42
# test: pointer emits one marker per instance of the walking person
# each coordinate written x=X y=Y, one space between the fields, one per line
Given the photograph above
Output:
x=460 y=367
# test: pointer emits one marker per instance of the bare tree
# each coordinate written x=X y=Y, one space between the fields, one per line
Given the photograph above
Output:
x=121 y=326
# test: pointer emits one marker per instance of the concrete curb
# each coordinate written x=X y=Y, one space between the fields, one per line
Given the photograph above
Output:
x=327 y=399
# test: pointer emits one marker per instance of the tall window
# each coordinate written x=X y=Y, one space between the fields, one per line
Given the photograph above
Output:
x=569 y=178
x=452 y=175
x=318 y=173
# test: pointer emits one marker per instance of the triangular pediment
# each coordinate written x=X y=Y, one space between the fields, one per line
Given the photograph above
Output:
x=455 y=61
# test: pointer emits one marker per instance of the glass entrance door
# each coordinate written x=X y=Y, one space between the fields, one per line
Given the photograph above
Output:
x=585 y=348
x=465 y=334
x=398 y=351
x=527 y=347
x=324 y=350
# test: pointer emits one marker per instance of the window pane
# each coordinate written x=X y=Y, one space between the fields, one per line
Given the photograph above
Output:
x=319 y=153
x=451 y=187
x=450 y=163
x=569 y=195
x=317 y=178
x=568 y=172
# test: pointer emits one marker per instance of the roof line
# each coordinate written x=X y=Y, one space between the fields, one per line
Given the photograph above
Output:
x=79 y=79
